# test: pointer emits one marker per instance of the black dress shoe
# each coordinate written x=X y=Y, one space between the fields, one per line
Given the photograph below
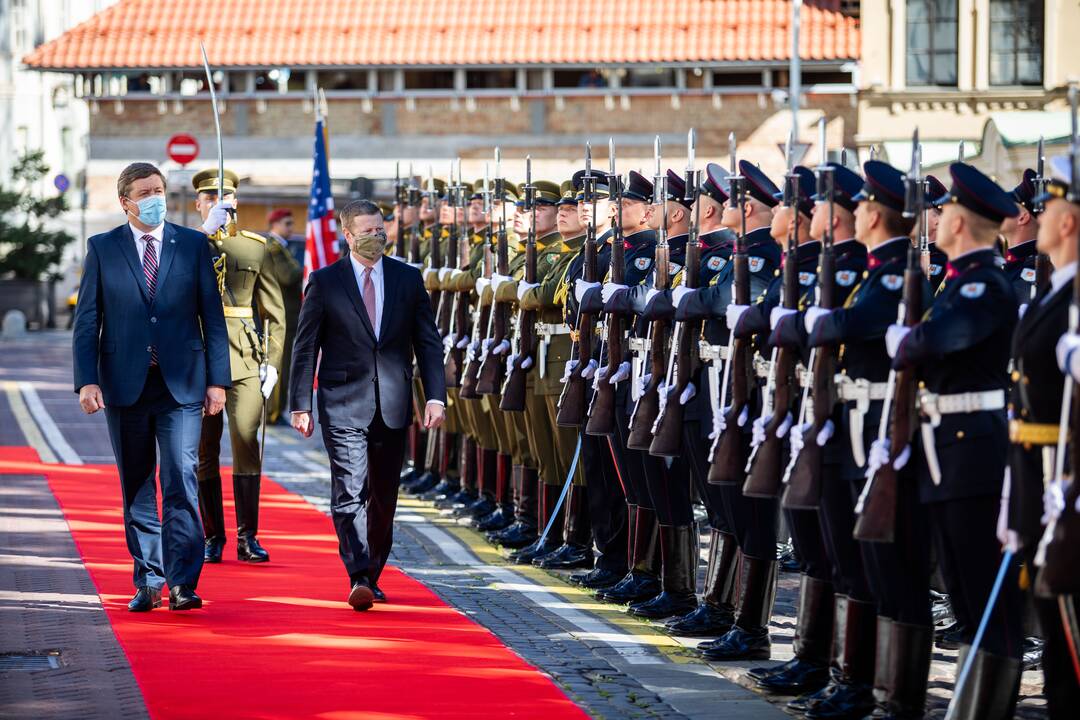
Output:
x=760 y=672
x=841 y=702
x=212 y=549
x=634 y=587
x=518 y=535
x=596 y=578
x=361 y=596
x=705 y=621
x=500 y=518
x=804 y=703
x=567 y=557
x=525 y=555
x=423 y=483
x=378 y=595
x=952 y=637
x=664 y=605
x=145 y=600
x=249 y=550
x=478 y=508
x=445 y=488
x=183 y=597
x=739 y=644
x=459 y=499
x=797 y=676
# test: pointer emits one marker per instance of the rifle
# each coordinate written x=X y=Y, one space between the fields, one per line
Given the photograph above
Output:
x=1043 y=267
x=412 y=199
x=458 y=322
x=728 y=449
x=647 y=407
x=803 y=476
x=682 y=358
x=492 y=369
x=435 y=249
x=572 y=401
x=602 y=409
x=513 y=390
x=400 y=195
x=765 y=467
x=481 y=318
x=876 y=507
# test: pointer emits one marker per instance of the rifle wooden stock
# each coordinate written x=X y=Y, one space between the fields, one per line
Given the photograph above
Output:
x=877 y=521
x=573 y=402
x=767 y=472
x=648 y=405
x=471 y=372
x=490 y=377
x=602 y=410
x=729 y=449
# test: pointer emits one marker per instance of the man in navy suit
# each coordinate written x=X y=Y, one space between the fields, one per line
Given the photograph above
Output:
x=368 y=315
x=151 y=349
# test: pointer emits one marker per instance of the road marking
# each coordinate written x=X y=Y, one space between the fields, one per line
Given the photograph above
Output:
x=26 y=423
x=56 y=439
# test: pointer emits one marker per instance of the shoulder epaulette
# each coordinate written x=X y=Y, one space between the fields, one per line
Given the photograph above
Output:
x=253 y=236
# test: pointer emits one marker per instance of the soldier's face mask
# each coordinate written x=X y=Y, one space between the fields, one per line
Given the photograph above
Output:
x=370 y=245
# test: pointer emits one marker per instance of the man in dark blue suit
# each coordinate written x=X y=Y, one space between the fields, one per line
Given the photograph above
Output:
x=368 y=315
x=151 y=349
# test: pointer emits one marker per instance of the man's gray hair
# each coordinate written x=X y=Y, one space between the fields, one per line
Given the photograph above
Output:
x=355 y=208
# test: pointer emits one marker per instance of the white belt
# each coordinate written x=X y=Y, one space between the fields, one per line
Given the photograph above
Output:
x=761 y=366
x=639 y=344
x=551 y=329
x=934 y=406
x=862 y=392
x=804 y=376
x=708 y=351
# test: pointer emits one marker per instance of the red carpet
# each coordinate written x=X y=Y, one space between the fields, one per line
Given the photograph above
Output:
x=278 y=640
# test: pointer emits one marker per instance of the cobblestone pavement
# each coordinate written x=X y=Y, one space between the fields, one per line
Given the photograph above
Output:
x=612 y=665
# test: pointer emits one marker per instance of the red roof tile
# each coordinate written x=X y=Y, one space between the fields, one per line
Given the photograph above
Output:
x=298 y=33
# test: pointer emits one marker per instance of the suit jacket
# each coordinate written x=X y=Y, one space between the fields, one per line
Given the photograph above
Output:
x=355 y=367
x=116 y=323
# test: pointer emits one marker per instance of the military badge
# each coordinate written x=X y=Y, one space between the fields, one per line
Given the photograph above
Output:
x=973 y=290
x=756 y=263
x=643 y=263
x=806 y=278
x=1028 y=275
x=715 y=263
x=934 y=269
x=846 y=278
x=892 y=282
x=674 y=268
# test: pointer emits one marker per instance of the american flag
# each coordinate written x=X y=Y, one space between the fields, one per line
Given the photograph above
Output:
x=322 y=240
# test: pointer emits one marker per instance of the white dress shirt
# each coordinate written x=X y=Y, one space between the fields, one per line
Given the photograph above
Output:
x=1060 y=278
x=140 y=245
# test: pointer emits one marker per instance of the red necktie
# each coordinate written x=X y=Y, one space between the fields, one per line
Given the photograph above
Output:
x=369 y=297
x=150 y=268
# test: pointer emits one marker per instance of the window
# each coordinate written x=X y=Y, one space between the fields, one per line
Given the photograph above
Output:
x=490 y=79
x=429 y=79
x=931 y=42
x=1016 y=42
x=578 y=78
x=344 y=80
x=649 y=77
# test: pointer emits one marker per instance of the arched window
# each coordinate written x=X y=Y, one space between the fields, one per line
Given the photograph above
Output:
x=931 y=42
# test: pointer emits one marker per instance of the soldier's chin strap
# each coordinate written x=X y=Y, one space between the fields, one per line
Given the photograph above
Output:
x=562 y=495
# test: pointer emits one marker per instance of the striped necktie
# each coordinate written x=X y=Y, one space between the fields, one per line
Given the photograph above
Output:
x=150 y=270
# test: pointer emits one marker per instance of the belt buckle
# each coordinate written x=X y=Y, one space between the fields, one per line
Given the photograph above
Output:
x=928 y=403
x=862 y=394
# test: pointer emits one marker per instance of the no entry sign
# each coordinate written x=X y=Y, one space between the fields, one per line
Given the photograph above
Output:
x=182 y=148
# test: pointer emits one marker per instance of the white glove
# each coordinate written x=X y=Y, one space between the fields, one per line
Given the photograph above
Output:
x=610 y=289
x=621 y=373
x=499 y=280
x=485 y=346
x=524 y=287
x=813 y=314
x=797 y=441
x=445 y=273
x=719 y=424
x=758 y=435
x=568 y=370
x=527 y=362
x=679 y=294
x=590 y=369
x=642 y=383
x=878 y=456
x=688 y=394
x=474 y=348
x=448 y=342
x=778 y=314
x=1008 y=538
x=1053 y=502
x=650 y=294
x=463 y=343
x=744 y=416
x=512 y=361
x=825 y=433
x=1020 y=311
x=481 y=285
x=217 y=217
x=502 y=348
x=894 y=336
x=581 y=287
x=783 y=428
x=269 y=380
x=1066 y=357
x=602 y=373
x=734 y=312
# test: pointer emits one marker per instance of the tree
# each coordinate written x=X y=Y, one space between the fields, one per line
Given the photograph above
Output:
x=29 y=251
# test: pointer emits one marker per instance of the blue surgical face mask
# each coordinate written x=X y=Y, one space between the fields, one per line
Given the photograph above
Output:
x=152 y=210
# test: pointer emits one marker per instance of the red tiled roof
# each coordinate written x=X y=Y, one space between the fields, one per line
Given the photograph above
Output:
x=297 y=33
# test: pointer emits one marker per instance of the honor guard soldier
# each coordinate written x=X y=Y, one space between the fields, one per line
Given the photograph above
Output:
x=960 y=351
x=935 y=260
x=1019 y=233
x=255 y=315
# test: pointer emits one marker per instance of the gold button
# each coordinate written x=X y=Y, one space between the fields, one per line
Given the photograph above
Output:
x=1023 y=413
x=1027 y=380
x=959 y=434
x=866 y=274
x=922 y=385
x=1015 y=375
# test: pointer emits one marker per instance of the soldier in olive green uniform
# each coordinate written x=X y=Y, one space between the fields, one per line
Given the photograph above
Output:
x=252 y=298
x=289 y=274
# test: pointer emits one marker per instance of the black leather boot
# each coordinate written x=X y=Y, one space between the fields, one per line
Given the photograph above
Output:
x=549 y=498
x=486 y=471
x=643 y=581
x=809 y=669
x=715 y=614
x=882 y=665
x=679 y=553
x=212 y=511
x=522 y=532
x=851 y=677
x=429 y=478
x=748 y=638
x=576 y=550
x=989 y=692
x=597 y=579
x=503 y=514
x=467 y=476
x=909 y=650
x=246 y=498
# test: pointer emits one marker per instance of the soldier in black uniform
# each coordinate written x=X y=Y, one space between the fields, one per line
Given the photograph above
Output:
x=961 y=353
x=1019 y=233
x=897 y=572
x=935 y=260
x=640 y=245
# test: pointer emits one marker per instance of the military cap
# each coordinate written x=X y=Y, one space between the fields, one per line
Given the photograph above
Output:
x=716 y=183
x=567 y=193
x=1057 y=185
x=884 y=185
x=603 y=184
x=440 y=186
x=1024 y=193
x=935 y=191
x=758 y=184
x=207 y=181
x=511 y=193
x=477 y=190
x=846 y=185
x=676 y=189
x=638 y=188
x=807 y=184
x=279 y=214
x=979 y=194
x=387 y=210
x=545 y=192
